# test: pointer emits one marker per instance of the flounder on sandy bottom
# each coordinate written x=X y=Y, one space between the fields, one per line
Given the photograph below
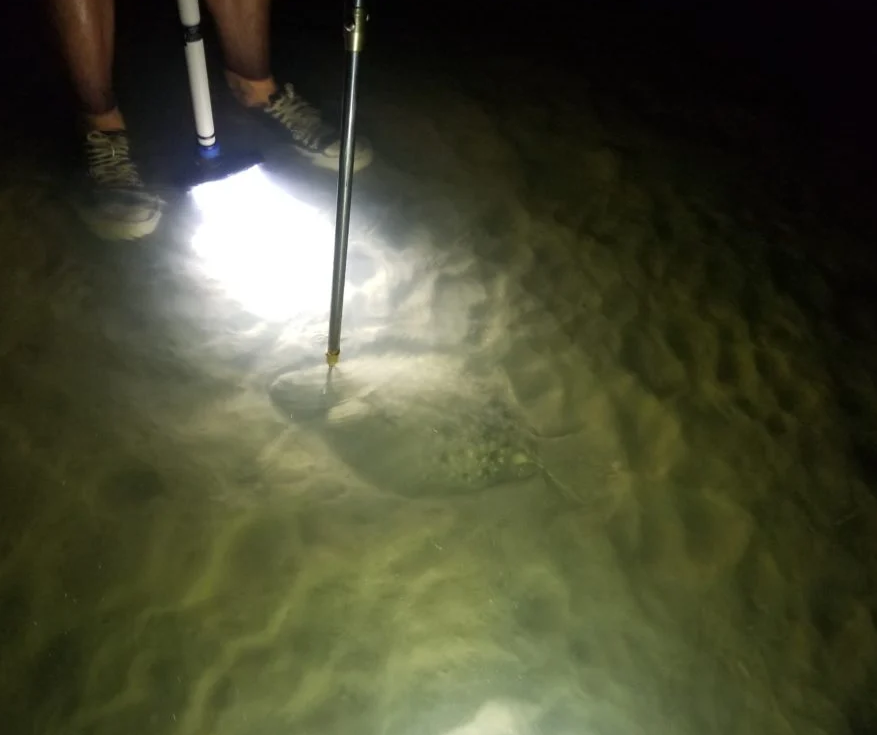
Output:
x=415 y=426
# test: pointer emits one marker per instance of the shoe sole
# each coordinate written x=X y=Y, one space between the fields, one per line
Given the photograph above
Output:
x=116 y=231
x=361 y=161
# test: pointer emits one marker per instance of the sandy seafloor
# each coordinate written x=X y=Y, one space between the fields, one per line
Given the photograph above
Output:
x=592 y=465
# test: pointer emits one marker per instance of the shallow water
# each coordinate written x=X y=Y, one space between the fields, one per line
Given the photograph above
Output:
x=202 y=534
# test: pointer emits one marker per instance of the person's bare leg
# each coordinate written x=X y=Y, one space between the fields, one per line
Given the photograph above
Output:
x=244 y=35
x=243 y=32
x=86 y=34
x=113 y=203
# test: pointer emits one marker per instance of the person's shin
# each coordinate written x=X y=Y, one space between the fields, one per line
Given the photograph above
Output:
x=251 y=92
x=107 y=121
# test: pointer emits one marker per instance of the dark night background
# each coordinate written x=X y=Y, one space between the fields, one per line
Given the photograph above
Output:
x=783 y=90
x=798 y=72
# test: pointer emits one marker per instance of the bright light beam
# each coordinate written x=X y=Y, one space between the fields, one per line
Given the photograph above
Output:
x=269 y=251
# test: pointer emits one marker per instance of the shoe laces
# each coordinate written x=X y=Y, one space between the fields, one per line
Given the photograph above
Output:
x=298 y=116
x=109 y=160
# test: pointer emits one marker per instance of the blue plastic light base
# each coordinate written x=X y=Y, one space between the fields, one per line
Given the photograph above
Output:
x=208 y=152
x=209 y=165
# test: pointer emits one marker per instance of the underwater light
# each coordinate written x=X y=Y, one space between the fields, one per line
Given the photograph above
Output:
x=269 y=251
x=246 y=241
x=257 y=241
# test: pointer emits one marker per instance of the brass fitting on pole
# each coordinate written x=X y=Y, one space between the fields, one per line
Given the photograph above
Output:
x=354 y=30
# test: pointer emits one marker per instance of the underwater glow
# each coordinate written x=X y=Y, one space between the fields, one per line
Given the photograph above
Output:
x=269 y=251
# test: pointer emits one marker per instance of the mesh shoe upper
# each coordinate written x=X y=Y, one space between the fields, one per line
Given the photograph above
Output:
x=109 y=160
x=300 y=118
x=310 y=134
x=116 y=205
